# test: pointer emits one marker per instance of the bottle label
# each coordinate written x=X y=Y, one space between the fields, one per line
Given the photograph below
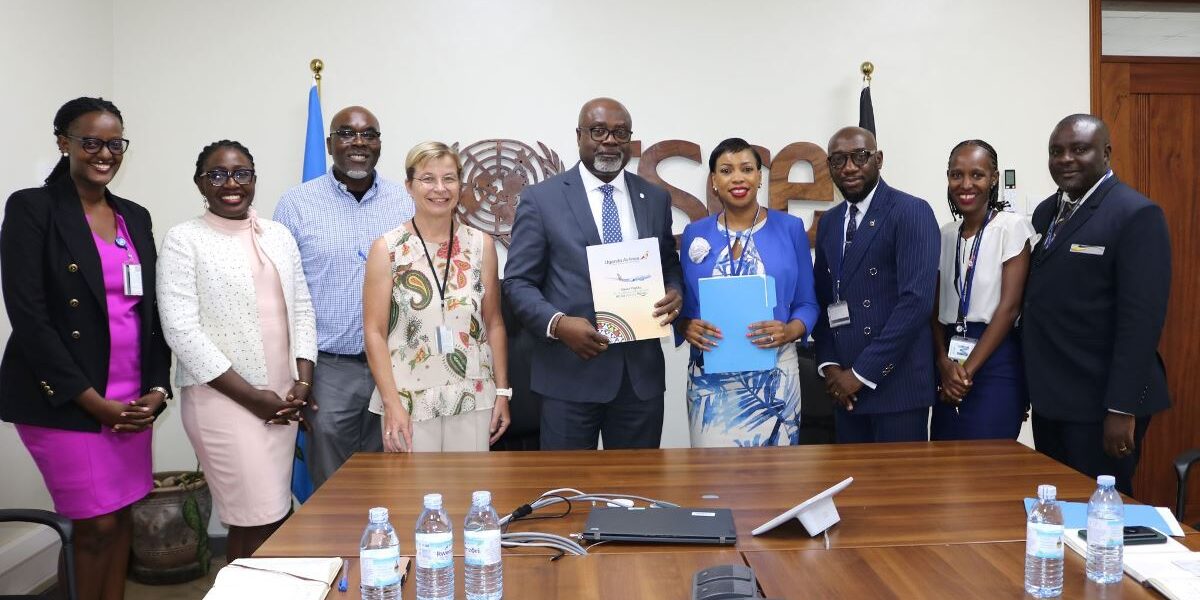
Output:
x=1043 y=540
x=435 y=550
x=1105 y=532
x=482 y=548
x=380 y=567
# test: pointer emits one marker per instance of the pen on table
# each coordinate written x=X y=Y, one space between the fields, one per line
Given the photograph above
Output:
x=343 y=583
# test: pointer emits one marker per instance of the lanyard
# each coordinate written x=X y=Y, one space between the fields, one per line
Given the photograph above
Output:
x=122 y=239
x=736 y=270
x=441 y=285
x=963 y=284
x=837 y=279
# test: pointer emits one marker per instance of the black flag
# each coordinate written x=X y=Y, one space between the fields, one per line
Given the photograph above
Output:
x=866 y=112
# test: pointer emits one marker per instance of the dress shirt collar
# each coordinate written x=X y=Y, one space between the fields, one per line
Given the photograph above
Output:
x=370 y=193
x=592 y=183
x=863 y=204
x=1062 y=196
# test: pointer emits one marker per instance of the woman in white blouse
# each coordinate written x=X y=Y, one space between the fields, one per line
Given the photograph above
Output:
x=236 y=311
x=984 y=262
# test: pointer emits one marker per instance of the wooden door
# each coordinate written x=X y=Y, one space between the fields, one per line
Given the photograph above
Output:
x=1153 y=108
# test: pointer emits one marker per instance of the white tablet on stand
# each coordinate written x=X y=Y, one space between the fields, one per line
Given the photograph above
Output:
x=816 y=514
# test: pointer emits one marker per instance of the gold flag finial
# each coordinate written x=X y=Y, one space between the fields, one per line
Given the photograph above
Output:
x=317 y=65
x=867 y=69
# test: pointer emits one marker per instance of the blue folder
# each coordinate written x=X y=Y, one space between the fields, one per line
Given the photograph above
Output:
x=1075 y=515
x=732 y=304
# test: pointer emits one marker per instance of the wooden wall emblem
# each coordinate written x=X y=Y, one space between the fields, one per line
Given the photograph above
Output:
x=494 y=173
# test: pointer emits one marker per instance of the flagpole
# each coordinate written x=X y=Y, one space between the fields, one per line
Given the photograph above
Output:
x=317 y=65
x=867 y=69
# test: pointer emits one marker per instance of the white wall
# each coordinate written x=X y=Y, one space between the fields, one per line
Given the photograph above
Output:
x=185 y=74
x=53 y=50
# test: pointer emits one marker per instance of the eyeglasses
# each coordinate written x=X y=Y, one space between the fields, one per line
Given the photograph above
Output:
x=346 y=136
x=599 y=134
x=837 y=160
x=218 y=177
x=430 y=181
x=93 y=145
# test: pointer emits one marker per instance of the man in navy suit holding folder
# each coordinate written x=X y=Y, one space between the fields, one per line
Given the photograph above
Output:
x=1095 y=303
x=876 y=276
x=590 y=387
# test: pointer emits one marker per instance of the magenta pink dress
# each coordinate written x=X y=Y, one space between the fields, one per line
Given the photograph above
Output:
x=92 y=474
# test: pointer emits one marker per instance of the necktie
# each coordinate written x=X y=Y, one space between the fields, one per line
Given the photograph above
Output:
x=608 y=216
x=853 y=225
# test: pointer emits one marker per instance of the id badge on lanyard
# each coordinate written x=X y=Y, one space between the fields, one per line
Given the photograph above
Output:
x=961 y=345
x=131 y=272
x=133 y=279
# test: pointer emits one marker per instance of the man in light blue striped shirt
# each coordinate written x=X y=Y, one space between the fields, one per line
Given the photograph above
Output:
x=334 y=219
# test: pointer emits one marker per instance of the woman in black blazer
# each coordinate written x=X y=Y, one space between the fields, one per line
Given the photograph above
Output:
x=85 y=371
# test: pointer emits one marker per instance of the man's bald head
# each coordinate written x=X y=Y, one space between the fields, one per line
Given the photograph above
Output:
x=603 y=135
x=355 y=145
x=1080 y=149
x=860 y=137
x=854 y=162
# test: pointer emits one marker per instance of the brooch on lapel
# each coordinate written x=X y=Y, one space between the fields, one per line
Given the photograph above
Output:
x=698 y=250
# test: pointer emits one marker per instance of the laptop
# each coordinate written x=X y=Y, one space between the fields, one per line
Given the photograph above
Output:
x=665 y=525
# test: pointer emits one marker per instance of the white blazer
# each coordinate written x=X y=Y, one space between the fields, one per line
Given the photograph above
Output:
x=208 y=307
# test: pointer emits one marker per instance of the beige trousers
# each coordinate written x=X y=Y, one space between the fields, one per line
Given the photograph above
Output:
x=467 y=432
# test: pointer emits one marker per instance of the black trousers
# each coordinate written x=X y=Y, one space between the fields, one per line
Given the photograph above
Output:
x=627 y=421
x=1081 y=447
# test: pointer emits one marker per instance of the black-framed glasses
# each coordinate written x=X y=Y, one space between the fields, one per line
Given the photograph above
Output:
x=218 y=177
x=599 y=134
x=838 y=160
x=346 y=136
x=93 y=145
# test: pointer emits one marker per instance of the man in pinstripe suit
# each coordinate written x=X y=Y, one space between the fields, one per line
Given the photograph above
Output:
x=876 y=276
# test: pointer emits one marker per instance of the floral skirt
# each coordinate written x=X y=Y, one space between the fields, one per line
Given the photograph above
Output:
x=751 y=408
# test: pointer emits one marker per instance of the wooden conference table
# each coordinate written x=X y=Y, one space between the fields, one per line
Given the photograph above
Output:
x=940 y=519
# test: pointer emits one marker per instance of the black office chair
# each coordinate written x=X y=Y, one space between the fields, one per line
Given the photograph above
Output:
x=816 y=405
x=1183 y=466
x=56 y=522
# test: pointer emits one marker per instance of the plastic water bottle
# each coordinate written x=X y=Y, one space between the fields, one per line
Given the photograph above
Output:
x=1105 y=533
x=435 y=552
x=1044 y=546
x=379 y=558
x=483 y=573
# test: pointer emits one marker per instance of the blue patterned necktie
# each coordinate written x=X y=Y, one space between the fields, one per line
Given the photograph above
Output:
x=853 y=225
x=608 y=215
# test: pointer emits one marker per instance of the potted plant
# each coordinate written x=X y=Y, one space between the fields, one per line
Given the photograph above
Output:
x=170 y=529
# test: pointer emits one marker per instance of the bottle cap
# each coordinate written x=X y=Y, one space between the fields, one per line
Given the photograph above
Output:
x=1047 y=492
x=481 y=498
x=1106 y=480
x=433 y=501
x=378 y=514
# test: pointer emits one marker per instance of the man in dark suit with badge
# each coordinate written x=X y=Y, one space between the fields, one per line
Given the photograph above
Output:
x=876 y=275
x=1095 y=302
x=590 y=387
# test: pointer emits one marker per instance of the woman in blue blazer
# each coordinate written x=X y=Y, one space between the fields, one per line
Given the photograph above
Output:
x=753 y=408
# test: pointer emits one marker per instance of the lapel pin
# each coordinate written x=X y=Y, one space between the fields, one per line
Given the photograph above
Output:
x=871 y=223
x=641 y=195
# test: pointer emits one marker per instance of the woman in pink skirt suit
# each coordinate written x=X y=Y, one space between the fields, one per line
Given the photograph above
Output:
x=236 y=310
x=85 y=372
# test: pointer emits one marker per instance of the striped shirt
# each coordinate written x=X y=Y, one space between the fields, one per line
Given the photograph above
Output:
x=335 y=231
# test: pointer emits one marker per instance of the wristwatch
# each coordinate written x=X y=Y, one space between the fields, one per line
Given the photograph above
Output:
x=506 y=392
x=162 y=390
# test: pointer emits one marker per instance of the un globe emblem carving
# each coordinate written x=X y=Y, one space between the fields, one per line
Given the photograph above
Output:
x=494 y=173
